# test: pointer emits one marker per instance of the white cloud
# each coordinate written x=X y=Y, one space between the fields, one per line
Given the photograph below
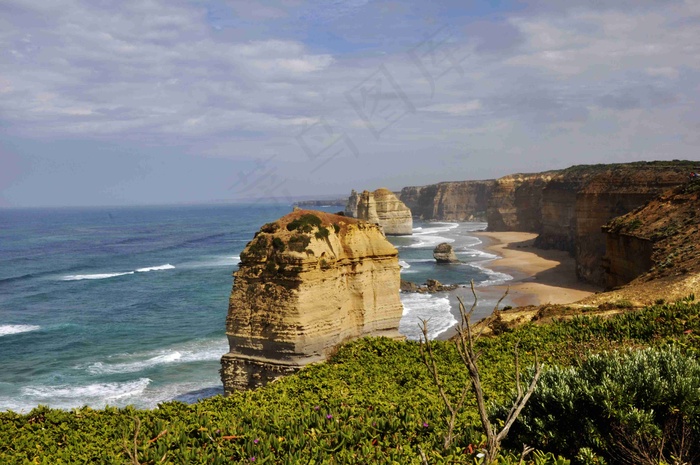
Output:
x=570 y=81
x=455 y=108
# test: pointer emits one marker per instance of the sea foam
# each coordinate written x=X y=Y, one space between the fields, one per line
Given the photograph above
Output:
x=80 y=277
x=167 y=266
x=417 y=307
x=131 y=363
x=6 y=330
x=495 y=277
x=67 y=396
x=429 y=237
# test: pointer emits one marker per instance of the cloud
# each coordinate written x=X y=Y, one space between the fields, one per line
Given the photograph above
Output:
x=148 y=66
x=228 y=80
x=455 y=108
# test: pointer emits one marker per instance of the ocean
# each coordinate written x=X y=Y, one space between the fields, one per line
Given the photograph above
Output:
x=127 y=305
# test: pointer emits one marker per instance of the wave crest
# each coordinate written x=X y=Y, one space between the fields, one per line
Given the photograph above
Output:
x=80 y=277
x=97 y=391
x=167 y=266
x=6 y=330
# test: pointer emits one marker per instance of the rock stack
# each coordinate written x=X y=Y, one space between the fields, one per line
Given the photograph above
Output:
x=306 y=283
x=443 y=253
x=383 y=208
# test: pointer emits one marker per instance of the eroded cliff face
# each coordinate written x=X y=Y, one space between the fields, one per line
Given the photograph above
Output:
x=394 y=217
x=567 y=208
x=367 y=208
x=558 y=210
x=658 y=241
x=306 y=283
x=449 y=201
x=383 y=208
x=351 y=205
x=516 y=202
x=611 y=192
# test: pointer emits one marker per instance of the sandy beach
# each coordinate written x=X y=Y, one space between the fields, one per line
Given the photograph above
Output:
x=540 y=276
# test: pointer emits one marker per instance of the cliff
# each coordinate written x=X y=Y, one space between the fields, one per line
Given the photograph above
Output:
x=565 y=207
x=351 y=205
x=394 y=217
x=449 y=201
x=383 y=208
x=611 y=191
x=659 y=241
x=515 y=203
x=367 y=208
x=306 y=283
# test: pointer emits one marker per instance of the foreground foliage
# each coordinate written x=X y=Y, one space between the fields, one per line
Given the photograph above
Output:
x=374 y=402
x=633 y=407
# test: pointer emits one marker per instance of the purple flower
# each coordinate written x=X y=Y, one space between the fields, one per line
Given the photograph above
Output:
x=256 y=440
x=425 y=424
x=252 y=459
x=316 y=407
x=329 y=416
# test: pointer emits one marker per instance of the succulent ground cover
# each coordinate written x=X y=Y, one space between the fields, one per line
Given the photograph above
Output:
x=373 y=402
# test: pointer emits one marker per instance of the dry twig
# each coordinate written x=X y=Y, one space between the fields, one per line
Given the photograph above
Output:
x=465 y=342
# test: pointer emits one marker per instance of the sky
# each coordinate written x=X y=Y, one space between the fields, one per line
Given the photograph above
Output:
x=170 y=101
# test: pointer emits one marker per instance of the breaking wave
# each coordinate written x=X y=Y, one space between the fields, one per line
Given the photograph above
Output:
x=80 y=277
x=417 y=307
x=66 y=396
x=6 y=330
x=132 y=363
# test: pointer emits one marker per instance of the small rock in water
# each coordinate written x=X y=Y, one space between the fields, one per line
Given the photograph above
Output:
x=443 y=253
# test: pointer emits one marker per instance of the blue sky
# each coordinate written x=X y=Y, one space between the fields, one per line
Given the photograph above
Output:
x=167 y=101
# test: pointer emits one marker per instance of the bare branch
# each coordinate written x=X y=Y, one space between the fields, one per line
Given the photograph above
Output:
x=465 y=344
x=526 y=450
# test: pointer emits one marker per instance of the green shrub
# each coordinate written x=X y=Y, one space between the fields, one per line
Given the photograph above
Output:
x=322 y=233
x=258 y=247
x=278 y=244
x=382 y=404
x=305 y=223
x=270 y=227
x=298 y=242
x=628 y=407
x=336 y=228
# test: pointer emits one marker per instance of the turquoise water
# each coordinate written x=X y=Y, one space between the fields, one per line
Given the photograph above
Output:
x=118 y=306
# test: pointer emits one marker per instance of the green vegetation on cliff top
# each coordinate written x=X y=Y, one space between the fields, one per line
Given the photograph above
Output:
x=373 y=402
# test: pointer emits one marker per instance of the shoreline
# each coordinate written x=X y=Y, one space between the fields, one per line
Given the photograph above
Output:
x=540 y=276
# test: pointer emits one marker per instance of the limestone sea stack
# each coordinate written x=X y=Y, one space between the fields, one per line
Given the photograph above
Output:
x=394 y=216
x=351 y=205
x=306 y=283
x=444 y=253
x=367 y=209
x=381 y=207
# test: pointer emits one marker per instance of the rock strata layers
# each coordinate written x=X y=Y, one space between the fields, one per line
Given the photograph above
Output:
x=306 y=283
x=449 y=201
x=383 y=208
x=567 y=208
